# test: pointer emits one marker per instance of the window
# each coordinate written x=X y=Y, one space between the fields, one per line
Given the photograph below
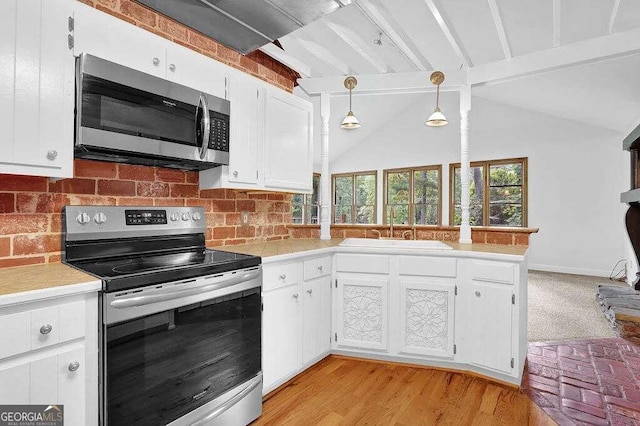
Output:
x=354 y=197
x=497 y=190
x=305 y=208
x=414 y=194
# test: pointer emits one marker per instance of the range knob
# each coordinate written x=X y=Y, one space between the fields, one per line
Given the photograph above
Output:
x=186 y=216
x=174 y=217
x=100 y=218
x=83 y=218
x=196 y=216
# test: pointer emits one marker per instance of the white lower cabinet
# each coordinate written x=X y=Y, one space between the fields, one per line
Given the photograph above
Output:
x=57 y=364
x=316 y=319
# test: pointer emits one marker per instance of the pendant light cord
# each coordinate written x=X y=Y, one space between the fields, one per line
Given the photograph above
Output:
x=438 y=96
x=350 y=100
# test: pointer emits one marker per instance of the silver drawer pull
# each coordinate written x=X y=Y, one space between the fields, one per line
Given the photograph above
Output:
x=74 y=366
x=478 y=293
x=172 y=67
x=310 y=291
x=295 y=295
x=46 y=329
x=52 y=154
x=156 y=61
x=283 y=276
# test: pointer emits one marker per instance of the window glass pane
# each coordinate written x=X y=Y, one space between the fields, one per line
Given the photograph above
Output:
x=343 y=190
x=425 y=214
x=397 y=188
x=364 y=214
x=365 y=198
x=312 y=214
x=296 y=213
x=505 y=214
x=475 y=215
x=505 y=194
x=505 y=174
x=400 y=213
x=297 y=199
x=342 y=213
x=476 y=193
x=426 y=196
x=315 y=197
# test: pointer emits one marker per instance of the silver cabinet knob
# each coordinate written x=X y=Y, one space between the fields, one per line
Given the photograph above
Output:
x=295 y=296
x=235 y=173
x=156 y=61
x=52 y=154
x=310 y=291
x=320 y=268
x=46 y=329
x=478 y=293
x=283 y=276
x=172 y=67
x=74 y=366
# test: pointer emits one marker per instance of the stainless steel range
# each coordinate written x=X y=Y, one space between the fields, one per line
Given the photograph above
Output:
x=180 y=332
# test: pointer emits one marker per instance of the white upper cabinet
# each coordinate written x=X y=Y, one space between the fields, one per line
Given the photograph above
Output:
x=37 y=77
x=288 y=142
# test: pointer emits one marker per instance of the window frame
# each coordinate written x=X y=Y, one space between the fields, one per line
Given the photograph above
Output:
x=486 y=165
x=411 y=171
x=305 y=204
x=353 y=193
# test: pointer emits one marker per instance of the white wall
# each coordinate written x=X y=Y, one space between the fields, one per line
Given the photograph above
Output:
x=576 y=173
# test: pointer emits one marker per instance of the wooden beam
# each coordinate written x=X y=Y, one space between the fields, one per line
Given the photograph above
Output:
x=322 y=53
x=447 y=29
x=502 y=35
x=566 y=56
x=359 y=45
x=374 y=14
x=281 y=56
x=614 y=15
x=557 y=19
x=407 y=82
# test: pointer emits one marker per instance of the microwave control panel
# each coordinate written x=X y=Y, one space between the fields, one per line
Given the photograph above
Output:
x=219 y=137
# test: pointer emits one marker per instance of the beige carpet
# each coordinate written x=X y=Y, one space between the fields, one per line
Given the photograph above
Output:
x=563 y=307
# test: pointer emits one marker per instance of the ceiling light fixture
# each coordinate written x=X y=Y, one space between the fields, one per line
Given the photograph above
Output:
x=350 y=121
x=437 y=118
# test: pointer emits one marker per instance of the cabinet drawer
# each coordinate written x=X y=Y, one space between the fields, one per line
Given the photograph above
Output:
x=373 y=264
x=428 y=266
x=498 y=272
x=43 y=327
x=279 y=275
x=314 y=268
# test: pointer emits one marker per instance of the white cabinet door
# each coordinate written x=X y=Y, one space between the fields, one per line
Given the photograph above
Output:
x=71 y=386
x=280 y=334
x=362 y=311
x=247 y=105
x=316 y=318
x=191 y=69
x=490 y=325
x=426 y=317
x=37 y=75
x=115 y=40
x=288 y=142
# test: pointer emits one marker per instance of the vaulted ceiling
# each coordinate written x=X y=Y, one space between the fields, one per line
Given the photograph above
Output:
x=577 y=59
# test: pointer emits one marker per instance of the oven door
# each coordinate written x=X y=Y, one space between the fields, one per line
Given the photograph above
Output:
x=187 y=352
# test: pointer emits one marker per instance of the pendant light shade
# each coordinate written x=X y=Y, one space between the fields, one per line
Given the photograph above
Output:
x=350 y=121
x=437 y=118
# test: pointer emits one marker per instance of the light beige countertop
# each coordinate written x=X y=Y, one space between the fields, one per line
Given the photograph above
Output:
x=20 y=284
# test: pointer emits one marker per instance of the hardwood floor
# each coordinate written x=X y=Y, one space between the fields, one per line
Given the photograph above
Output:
x=349 y=391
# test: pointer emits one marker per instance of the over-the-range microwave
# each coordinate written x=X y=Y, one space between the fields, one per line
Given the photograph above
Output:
x=127 y=116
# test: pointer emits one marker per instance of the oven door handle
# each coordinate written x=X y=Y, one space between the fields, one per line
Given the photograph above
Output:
x=130 y=302
x=255 y=382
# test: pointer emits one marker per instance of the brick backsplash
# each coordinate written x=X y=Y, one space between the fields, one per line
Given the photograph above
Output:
x=255 y=63
x=30 y=206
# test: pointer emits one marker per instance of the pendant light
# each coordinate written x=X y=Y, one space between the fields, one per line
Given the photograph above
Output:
x=437 y=118
x=350 y=121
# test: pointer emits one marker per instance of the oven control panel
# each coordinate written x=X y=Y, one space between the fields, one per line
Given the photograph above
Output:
x=145 y=217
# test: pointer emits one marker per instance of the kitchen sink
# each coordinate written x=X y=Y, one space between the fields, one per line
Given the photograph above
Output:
x=410 y=244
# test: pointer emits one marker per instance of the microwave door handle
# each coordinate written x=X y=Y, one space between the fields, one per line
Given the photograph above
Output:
x=206 y=124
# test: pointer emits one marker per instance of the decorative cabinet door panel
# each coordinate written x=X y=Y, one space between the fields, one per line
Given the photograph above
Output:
x=490 y=329
x=363 y=311
x=316 y=318
x=426 y=317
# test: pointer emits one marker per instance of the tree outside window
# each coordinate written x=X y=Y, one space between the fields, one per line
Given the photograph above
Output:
x=354 y=197
x=414 y=195
x=305 y=208
x=497 y=191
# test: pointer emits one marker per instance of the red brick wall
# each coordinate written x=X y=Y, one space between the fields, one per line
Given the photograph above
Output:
x=255 y=63
x=30 y=206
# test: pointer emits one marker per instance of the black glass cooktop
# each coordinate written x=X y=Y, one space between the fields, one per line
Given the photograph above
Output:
x=142 y=270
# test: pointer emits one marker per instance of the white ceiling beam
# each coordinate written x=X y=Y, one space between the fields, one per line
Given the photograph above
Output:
x=614 y=15
x=502 y=35
x=566 y=56
x=372 y=12
x=283 y=57
x=323 y=54
x=406 y=82
x=448 y=31
x=359 y=45
x=557 y=19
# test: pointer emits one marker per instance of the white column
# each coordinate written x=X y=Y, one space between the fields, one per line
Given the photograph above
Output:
x=465 y=107
x=325 y=184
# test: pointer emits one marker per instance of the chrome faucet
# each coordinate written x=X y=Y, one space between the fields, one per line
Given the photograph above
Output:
x=378 y=232
x=392 y=213
x=411 y=232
